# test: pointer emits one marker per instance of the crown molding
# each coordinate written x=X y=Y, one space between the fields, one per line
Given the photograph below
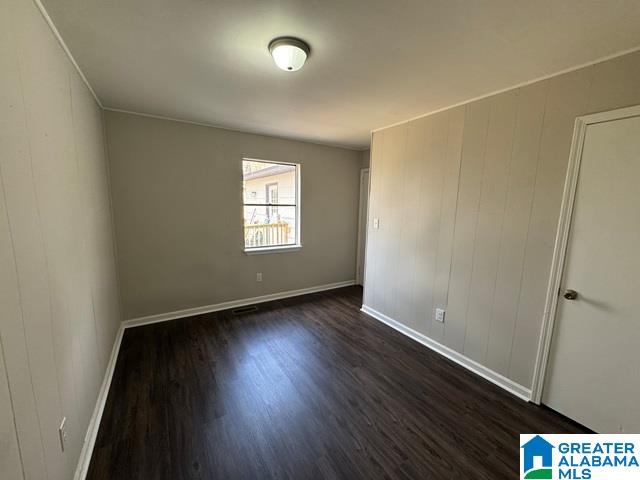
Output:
x=56 y=33
x=222 y=127
x=65 y=48
x=513 y=87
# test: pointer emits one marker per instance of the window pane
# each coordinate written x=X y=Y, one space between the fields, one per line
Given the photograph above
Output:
x=266 y=226
x=269 y=183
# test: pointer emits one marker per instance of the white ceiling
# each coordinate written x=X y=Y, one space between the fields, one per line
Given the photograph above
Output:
x=373 y=62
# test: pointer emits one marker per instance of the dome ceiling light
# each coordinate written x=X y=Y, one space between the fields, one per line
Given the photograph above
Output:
x=289 y=53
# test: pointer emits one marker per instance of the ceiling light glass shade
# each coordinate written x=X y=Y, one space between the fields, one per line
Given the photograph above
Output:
x=289 y=53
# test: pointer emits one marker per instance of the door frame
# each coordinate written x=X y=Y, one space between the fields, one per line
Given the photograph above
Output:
x=362 y=219
x=562 y=239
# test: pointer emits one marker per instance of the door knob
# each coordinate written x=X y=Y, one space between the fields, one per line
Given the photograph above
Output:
x=570 y=294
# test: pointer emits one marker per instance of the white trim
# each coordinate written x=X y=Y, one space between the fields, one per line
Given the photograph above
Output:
x=62 y=43
x=513 y=87
x=562 y=239
x=56 y=34
x=362 y=218
x=298 y=204
x=164 y=317
x=236 y=129
x=298 y=208
x=278 y=249
x=486 y=373
x=277 y=162
x=94 y=422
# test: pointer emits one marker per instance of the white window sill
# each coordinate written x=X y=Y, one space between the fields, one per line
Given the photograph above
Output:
x=263 y=250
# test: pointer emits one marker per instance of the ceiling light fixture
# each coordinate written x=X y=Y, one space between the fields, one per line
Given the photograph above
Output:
x=289 y=53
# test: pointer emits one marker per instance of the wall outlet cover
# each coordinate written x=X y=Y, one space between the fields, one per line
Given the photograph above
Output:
x=439 y=316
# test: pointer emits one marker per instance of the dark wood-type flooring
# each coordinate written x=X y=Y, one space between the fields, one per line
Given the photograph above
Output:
x=306 y=388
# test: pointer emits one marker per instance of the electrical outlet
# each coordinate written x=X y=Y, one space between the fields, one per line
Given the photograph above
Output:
x=259 y=277
x=62 y=433
x=376 y=223
x=439 y=316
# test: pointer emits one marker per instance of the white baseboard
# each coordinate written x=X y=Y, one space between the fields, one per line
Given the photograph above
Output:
x=486 y=373
x=94 y=422
x=163 y=317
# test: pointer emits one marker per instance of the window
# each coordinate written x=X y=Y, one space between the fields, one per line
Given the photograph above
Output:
x=271 y=207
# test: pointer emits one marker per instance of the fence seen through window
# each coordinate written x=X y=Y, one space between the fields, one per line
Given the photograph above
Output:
x=270 y=192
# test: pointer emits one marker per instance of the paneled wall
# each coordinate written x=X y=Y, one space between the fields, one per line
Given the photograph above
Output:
x=59 y=308
x=468 y=201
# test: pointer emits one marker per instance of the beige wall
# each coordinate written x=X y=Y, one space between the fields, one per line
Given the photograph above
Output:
x=468 y=201
x=59 y=309
x=177 y=193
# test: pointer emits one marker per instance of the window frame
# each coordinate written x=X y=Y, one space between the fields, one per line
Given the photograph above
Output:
x=276 y=248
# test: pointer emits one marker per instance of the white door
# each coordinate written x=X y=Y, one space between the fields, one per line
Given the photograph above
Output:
x=594 y=364
x=362 y=224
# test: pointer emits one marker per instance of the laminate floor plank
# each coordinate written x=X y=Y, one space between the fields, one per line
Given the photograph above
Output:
x=304 y=388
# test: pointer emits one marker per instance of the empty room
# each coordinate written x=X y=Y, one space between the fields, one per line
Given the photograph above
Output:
x=305 y=239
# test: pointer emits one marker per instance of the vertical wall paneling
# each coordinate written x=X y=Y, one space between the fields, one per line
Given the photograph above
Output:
x=567 y=99
x=513 y=234
x=56 y=249
x=430 y=135
x=32 y=270
x=487 y=178
x=408 y=229
x=448 y=207
x=471 y=170
x=16 y=356
x=394 y=212
x=9 y=449
x=495 y=175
